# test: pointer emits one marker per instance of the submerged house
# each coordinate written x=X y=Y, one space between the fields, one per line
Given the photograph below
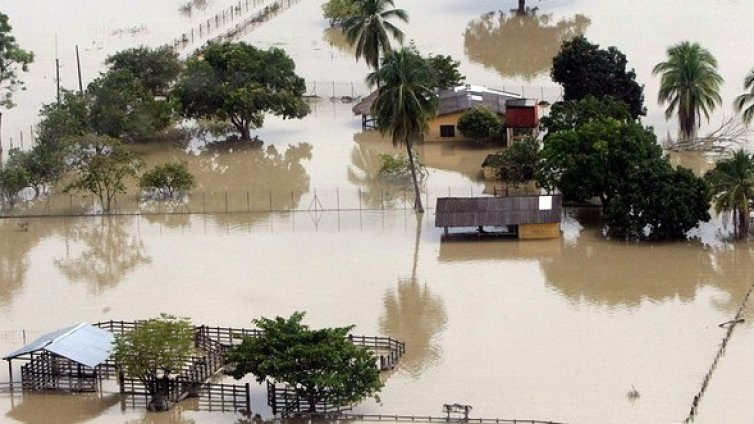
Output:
x=453 y=102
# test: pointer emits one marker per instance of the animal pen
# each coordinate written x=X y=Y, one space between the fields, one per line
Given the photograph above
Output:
x=78 y=359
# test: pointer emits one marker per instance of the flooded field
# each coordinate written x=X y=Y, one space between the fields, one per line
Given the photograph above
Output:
x=553 y=330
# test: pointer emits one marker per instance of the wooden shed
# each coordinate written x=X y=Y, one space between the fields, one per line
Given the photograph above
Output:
x=532 y=217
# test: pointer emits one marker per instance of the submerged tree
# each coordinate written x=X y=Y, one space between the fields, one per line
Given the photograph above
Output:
x=151 y=352
x=519 y=46
x=689 y=84
x=12 y=60
x=156 y=69
x=101 y=166
x=480 y=124
x=321 y=365
x=583 y=69
x=370 y=29
x=239 y=83
x=732 y=186
x=168 y=179
x=405 y=101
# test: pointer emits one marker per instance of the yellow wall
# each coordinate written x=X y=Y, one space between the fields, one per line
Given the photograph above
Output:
x=433 y=132
x=538 y=231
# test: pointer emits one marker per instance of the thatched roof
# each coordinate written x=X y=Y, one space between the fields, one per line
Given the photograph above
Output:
x=454 y=100
x=497 y=211
x=364 y=107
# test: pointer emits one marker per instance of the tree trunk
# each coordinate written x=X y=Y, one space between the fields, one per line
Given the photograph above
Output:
x=521 y=7
x=1 y=138
x=743 y=219
x=312 y=405
x=245 y=132
x=417 y=194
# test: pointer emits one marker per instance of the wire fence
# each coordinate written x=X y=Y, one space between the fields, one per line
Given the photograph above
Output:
x=235 y=201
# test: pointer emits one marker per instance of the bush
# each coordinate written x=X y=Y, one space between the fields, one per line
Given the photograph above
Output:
x=519 y=162
x=397 y=168
x=13 y=179
x=168 y=179
x=480 y=124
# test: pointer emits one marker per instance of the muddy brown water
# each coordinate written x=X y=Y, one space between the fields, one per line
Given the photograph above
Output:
x=554 y=330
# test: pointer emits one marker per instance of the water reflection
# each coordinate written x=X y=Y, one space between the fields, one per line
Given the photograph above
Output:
x=335 y=38
x=17 y=238
x=364 y=173
x=519 y=45
x=414 y=315
x=66 y=409
x=100 y=251
x=615 y=274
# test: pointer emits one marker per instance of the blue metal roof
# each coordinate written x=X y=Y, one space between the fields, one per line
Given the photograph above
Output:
x=83 y=343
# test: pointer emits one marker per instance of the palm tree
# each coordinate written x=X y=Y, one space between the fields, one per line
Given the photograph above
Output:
x=404 y=103
x=369 y=31
x=746 y=98
x=689 y=84
x=732 y=184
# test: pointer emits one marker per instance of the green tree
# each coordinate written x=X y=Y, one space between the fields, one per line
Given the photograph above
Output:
x=13 y=179
x=593 y=159
x=156 y=69
x=370 y=29
x=657 y=202
x=404 y=103
x=445 y=71
x=60 y=121
x=519 y=162
x=745 y=98
x=43 y=165
x=732 y=185
x=121 y=107
x=480 y=124
x=583 y=69
x=571 y=114
x=338 y=11
x=168 y=179
x=321 y=365
x=12 y=60
x=101 y=166
x=239 y=83
x=151 y=352
x=690 y=84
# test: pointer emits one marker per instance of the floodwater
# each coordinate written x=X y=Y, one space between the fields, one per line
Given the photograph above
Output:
x=555 y=330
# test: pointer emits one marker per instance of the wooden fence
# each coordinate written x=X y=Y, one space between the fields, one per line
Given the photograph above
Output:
x=427 y=418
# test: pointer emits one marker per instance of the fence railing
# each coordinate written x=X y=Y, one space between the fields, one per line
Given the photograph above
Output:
x=234 y=201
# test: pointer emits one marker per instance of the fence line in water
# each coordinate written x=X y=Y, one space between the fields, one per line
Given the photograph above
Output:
x=228 y=201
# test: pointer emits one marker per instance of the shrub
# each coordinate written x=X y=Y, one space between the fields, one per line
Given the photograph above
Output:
x=167 y=179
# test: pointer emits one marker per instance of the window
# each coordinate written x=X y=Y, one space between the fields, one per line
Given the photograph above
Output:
x=447 y=131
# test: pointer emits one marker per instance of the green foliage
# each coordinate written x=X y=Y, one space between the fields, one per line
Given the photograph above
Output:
x=743 y=99
x=338 y=11
x=405 y=101
x=370 y=29
x=656 y=202
x=519 y=162
x=168 y=179
x=571 y=114
x=593 y=159
x=732 y=186
x=13 y=179
x=63 y=120
x=43 y=165
x=690 y=84
x=12 y=59
x=101 y=166
x=122 y=107
x=397 y=168
x=155 y=69
x=583 y=69
x=480 y=124
x=240 y=83
x=445 y=71
x=155 y=349
x=319 y=364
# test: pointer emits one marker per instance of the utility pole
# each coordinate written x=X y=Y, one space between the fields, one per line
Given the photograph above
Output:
x=57 y=69
x=78 y=66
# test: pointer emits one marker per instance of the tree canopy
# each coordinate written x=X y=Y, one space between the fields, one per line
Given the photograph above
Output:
x=338 y=11
x=480 y=124
x=689 y=84
x=155 y=349
x=583 y=69
x=571 y=114
x=239 y=83
x=370 y=29
x=748 y=97
x=732 y=185
x=155 y=68
x=519 y=162
x=321 y=365
x=12 y=60
x=445 y=72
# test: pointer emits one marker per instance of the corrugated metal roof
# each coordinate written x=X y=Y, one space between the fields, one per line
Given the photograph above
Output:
x=83 y=343
x=497 y=211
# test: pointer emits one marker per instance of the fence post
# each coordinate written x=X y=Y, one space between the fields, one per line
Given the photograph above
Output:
x=248 y=202
x=204 y=203
x=270 y=200
x=226 y=201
